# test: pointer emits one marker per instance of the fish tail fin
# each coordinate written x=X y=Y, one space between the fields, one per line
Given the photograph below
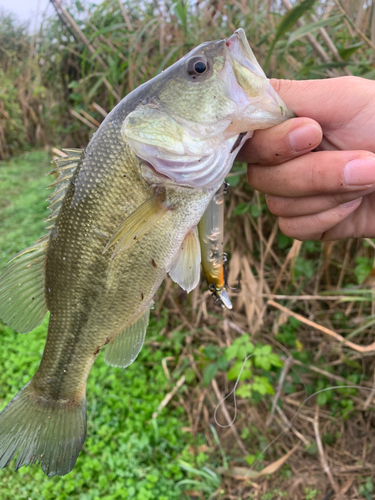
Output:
x=48 y=432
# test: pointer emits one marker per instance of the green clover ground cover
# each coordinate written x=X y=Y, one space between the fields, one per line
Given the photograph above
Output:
x=127 y=455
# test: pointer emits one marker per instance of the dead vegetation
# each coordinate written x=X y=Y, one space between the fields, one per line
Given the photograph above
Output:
x=328 y=445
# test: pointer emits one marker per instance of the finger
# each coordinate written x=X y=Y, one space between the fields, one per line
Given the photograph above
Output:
x=282 y=142
x=314 y=227
x=359 y=224
x=326 y=145
x=295 y=207
x=335 y=103
x=322 y=172
x=302 y=96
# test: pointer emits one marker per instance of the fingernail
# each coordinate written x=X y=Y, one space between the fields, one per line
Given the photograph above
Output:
x=351 y=203
x=360 y=172
x=305 y=137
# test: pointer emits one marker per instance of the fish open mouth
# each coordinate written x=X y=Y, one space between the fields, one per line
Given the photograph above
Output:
x=248 y=73
x=259 y=106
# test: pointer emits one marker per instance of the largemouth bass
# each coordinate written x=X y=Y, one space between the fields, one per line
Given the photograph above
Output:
x=124 y=213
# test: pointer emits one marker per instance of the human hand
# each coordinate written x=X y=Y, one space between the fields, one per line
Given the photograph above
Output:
x=330 y=193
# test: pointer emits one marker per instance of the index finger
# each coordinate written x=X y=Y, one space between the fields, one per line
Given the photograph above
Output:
x=282 y=142
x=319 y=173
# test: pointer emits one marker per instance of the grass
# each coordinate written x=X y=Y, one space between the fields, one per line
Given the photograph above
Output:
x=127 y=454
x=22 y=207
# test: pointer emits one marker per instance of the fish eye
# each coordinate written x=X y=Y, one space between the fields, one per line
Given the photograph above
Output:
x=197 y=66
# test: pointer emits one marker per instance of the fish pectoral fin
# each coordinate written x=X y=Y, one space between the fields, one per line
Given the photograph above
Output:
x=22 y=298
x=124 y=348
x=137 y=224
x=185 y=269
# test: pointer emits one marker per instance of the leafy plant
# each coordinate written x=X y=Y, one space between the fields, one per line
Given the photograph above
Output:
x=367 y=489
x=363 y=268
x=211 y=360
x=260 y=356
x=287 y=332
x=287 y=22
x=208 y=481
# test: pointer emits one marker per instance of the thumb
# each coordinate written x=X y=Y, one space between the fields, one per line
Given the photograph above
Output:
x=321 y=99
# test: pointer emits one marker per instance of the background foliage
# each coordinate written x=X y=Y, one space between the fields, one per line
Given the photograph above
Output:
x=55 y=88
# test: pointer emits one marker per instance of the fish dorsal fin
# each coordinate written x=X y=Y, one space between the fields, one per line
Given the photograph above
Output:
x=137 y=224
x=124 y=348
x=22 y=301
x=22 y=298
x=66 y=168
x=185 y=269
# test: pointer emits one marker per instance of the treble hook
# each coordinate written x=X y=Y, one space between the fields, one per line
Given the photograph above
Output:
x=226 y=285
x=218 y=301
x=220 y=297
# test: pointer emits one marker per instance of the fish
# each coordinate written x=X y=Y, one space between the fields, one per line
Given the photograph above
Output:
x=124 y=214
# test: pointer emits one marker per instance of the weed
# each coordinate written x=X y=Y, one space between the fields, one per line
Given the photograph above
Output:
x=367 y=489
x=261 y=357
x=311 y=493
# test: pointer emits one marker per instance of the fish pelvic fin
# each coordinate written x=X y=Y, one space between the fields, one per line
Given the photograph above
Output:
x=185 y=269
x=22 y=284
x=124 y=348
x=137 y=224
x=47 y=432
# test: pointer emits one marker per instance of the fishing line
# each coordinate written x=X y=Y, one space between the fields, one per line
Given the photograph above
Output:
x=307 y=399
x=233 y=391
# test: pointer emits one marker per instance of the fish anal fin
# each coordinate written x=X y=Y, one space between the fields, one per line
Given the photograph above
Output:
x=185 y=269
x=137 y=224
x=124 y=348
